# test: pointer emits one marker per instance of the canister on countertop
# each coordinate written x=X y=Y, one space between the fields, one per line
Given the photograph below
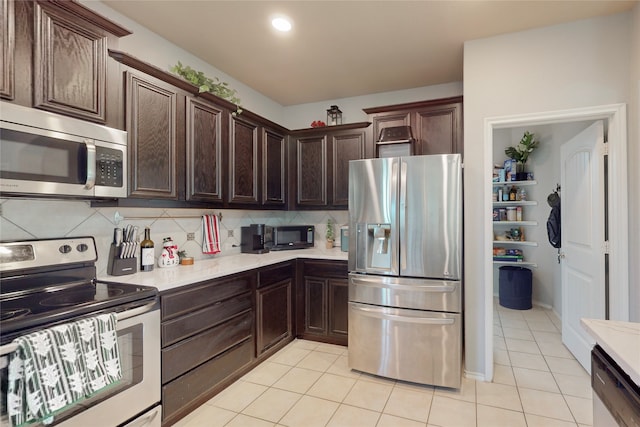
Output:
x=511 y=213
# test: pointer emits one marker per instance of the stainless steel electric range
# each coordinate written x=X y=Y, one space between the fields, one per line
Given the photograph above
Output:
x=53 y=281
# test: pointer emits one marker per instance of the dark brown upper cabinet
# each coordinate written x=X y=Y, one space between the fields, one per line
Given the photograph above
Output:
x=244 y=165
x=345 y=146
x=204 y=141
x=7 y=54
x=188 y=150
x=436 y=125
x=274 y=168
x=257 y=166
x=322 y=158
x=311 y=171
x=59 y=49
x=152 y=124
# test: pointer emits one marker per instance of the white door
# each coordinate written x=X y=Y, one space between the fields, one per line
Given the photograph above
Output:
x=583 y=223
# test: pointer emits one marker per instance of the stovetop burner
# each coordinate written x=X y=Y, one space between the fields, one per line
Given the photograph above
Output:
x=80 y=296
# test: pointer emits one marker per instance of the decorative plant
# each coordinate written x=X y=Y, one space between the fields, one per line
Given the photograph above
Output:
x=182 y=254
x=520 y=153
x=330 y=235
x=206 y=84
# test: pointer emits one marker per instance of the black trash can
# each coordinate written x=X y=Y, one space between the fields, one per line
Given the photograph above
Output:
x=515 y=287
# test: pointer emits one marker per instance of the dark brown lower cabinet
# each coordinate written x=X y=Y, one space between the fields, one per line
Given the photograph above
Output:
x=325 y=295
x=212 y=334
x=183 y=395
x=207 y=341
x=274 y=307
x=274 y=315
x=338 y=291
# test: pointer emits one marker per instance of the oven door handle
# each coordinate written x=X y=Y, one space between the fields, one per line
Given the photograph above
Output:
x=12 y=346
x=136 y=311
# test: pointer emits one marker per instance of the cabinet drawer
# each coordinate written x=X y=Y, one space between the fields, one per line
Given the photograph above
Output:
x=192 y=323
x=174 y=304
x=189 y=353
x=196 y=383
x=326 y=269
x=275 y=274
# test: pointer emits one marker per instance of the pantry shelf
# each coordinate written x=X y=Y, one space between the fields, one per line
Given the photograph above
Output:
x=516 y=203
x=517 y=263
x=515 y=242
x=519 y=183
x=515 y=223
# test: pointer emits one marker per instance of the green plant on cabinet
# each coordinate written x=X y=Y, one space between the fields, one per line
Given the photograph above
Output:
x=206 y=84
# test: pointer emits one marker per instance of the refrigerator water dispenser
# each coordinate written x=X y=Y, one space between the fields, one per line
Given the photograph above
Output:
x=375 y=239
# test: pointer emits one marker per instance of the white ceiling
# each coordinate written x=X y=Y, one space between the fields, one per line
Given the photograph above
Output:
x=340 y=49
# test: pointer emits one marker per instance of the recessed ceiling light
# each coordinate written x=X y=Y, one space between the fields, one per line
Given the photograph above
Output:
x=281 y=24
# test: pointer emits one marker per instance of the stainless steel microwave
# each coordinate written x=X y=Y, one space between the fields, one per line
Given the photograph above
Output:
x=43 y=153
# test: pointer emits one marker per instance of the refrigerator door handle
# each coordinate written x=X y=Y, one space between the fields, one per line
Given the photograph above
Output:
x=403 y=213
x=389 y=284
x=379 y=313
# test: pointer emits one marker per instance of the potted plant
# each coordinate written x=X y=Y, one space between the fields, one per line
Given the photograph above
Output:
x=329 y=235
x=206 y=84
x=184 y=258
x=520 y=153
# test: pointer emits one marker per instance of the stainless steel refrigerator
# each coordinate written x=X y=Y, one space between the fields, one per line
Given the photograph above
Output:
x=405 y=268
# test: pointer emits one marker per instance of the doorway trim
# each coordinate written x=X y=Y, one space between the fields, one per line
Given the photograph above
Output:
x=616 y=117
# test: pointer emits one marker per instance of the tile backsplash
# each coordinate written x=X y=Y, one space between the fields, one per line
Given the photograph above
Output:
x=25 y=219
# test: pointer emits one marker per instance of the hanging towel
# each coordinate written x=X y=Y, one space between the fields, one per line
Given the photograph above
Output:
x=57 y=367
x=210 y=234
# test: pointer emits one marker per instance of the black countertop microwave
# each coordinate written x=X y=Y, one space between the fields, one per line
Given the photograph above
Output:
x=43 y=153
x=293 y=237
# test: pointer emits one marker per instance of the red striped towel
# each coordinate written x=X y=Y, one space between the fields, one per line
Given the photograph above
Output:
x=210 y=234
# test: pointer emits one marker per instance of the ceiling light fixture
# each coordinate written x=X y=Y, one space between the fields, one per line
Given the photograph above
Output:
x=281 y=24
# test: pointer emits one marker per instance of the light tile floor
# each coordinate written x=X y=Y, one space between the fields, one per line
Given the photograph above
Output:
x=537 y=382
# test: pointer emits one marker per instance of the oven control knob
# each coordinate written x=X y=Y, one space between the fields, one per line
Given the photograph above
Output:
x=65 y=249
x=82 y=247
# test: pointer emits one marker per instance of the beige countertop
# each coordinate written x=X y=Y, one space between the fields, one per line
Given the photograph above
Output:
x=172 y=277
x=620 y=340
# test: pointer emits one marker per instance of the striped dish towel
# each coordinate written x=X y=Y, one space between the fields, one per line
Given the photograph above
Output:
x=210 y=234
x=60 y=366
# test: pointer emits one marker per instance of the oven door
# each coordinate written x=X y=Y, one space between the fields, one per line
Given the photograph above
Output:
x=139 y=389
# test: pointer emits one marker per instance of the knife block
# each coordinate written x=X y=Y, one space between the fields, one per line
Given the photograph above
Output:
x=120 y=266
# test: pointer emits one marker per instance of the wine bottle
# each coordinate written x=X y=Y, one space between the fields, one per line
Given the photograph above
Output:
x=147 y=254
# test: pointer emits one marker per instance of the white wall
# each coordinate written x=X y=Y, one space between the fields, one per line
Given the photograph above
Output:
x=574 y=65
